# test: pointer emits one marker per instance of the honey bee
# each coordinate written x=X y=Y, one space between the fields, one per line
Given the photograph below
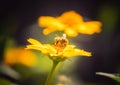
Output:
x=60 y=42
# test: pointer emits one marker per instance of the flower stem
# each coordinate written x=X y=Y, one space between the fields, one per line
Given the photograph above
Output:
x=49 y=78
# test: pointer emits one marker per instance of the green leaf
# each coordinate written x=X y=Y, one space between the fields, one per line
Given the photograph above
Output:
x=115 y=77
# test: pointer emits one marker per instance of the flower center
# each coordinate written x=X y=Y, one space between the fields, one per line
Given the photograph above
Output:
x=60 y=43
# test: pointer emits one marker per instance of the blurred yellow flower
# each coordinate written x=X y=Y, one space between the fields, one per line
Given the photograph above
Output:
x=59 y=84
x=70 y=22
x=60 y=50
x=19 y=55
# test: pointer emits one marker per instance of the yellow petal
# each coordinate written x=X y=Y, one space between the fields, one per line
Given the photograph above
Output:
x=33 y=41
x=69 y=47
x=82 y=52
x=50 y=49
x=47 y=31
x=19 y=55
x=89 y=27
x=76 y=52
x=36 y=47
x=50 y=22
x=45 y=48
x=27 y=58
x=95 y=26
x=71 y=32
x=70 y=17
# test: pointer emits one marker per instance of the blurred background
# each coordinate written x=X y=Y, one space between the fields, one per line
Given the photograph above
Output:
x=19 y=21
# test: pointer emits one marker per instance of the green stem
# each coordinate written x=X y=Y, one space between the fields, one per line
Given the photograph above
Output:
x=49 y=78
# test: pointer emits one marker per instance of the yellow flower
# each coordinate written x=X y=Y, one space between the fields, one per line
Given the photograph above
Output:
x=59 y=84
x=19 y=55
x=60 y=50
x=70 y=22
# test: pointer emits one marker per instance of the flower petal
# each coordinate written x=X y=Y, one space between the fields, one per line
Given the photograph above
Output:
x=47 y=31
x=82 y=52
x=33 y=41
x=50 y=22
x=71 y=32
x=70 y=17
x=71 y=51
x=89 y=27
x=36 y=47
x=45 y=48
x=50 y=49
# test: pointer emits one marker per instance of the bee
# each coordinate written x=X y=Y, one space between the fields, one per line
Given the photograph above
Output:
x=60 y=42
